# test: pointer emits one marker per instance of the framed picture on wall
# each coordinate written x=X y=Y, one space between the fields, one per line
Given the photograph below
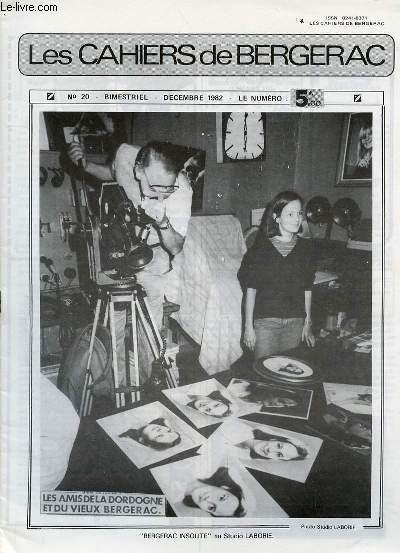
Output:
x=355 y=158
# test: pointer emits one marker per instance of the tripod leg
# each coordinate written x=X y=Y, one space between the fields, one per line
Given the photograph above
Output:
x=170 y=376
x=155 y=349
x=135 y=379
x=118 y=395
x=153 y=334
x=85 y=405
x=90 y=403
x=153 y=325
x=105 y=321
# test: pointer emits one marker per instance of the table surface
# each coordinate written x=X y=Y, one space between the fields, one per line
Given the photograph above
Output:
x=339 y=482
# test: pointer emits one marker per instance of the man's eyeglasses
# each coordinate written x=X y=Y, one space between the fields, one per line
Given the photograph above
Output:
x=159 y=187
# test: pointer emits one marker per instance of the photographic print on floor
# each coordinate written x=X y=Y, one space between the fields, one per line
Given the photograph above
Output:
x=205 y=488
x=266 y=448
x=271 y=399
x=207 y=402
x=150 y=433
x=353 y=398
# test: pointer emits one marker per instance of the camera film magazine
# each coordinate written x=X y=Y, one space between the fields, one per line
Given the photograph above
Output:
x=198 y=276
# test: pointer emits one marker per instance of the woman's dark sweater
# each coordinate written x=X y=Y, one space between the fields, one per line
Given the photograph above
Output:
x=280 y=281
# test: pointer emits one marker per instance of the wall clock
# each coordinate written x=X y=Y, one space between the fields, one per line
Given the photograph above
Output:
x=242 y=136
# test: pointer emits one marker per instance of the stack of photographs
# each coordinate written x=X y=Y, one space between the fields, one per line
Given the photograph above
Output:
x=215 y=482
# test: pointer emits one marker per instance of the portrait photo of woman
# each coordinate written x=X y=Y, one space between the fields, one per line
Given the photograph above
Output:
x=157 y=434
x=274 y=447
x=150 y=433
x=271 y=399
x=265 y=448
x=219 y=495
x=207 y=402
x=214 y=404
x=357 y=163
x=214 y=488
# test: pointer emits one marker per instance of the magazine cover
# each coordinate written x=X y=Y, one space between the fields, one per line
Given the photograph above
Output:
x=198 y=247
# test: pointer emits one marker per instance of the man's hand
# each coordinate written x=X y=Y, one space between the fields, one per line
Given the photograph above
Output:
x=307 y=334
x=76 y=154
x=102 y=172
x=155 y=210
x=171 y=239
x=249 y=337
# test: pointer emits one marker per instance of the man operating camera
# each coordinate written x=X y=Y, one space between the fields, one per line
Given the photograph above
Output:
x=153 y=180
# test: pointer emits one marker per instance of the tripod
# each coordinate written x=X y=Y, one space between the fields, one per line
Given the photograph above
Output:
x=133 y=296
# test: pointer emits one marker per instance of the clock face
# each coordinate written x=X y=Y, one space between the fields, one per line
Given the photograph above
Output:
x=244 y=136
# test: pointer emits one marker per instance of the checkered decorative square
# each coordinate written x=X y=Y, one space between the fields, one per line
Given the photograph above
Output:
x=307 y=98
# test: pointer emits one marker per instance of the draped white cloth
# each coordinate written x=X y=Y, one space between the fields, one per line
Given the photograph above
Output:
x=204 y=283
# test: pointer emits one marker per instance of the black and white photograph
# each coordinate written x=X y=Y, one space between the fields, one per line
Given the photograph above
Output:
x=265 y=448
x=353 y=398
x=288 y=370
x=271 y=399
x=205 y=488
x=350 y=431
x=355 y=163
x=181 y=289
x=150 y=434
x=206 y=403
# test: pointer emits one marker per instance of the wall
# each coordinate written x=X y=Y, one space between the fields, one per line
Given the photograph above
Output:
x=317 y=160
x=254 y=184
x=234 y=187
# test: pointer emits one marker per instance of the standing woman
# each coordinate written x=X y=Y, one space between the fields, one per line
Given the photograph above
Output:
x=277 y=275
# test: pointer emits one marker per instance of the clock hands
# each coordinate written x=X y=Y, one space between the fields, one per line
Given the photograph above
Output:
x=245 y=132
x=243 y=136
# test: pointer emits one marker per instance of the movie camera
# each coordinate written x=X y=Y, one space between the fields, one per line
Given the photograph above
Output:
x=116 y=238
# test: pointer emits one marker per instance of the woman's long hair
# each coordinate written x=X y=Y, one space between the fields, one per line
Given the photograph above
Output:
x=221 y=479
x=257 y=393
x=138 y=435
x=269 y=224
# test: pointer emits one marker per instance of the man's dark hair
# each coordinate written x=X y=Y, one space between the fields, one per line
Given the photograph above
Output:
x=165 y=152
